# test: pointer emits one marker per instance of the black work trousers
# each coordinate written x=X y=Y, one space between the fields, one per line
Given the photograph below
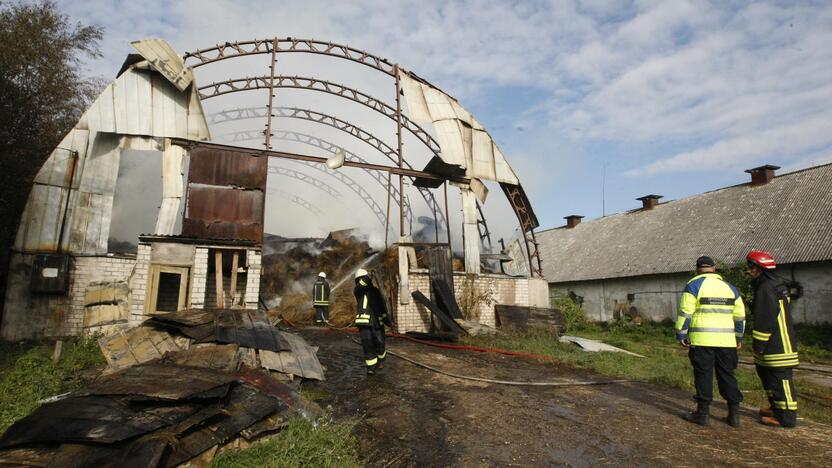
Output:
x=778 y=383
x=372 y=342
x=321 y=314
x=705 y=360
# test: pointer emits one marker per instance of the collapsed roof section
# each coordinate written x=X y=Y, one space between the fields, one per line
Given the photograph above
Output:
x=70 y=206
x=464 y=141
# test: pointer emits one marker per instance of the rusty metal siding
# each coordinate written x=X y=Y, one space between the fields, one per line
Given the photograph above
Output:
x=226 y=195
x=217 y=167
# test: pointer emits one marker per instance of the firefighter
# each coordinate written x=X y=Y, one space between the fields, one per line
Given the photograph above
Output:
x=775 y=348
x=710 y=324
x=320 y=299
x=370 y=320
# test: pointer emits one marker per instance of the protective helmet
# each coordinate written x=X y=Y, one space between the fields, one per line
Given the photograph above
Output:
x=322 y=275
x=360 y=272
x=761 y=259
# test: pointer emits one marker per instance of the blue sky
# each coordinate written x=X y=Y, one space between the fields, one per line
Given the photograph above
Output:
x=671 y=97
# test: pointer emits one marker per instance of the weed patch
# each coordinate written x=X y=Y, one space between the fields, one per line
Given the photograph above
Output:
x=300 y=444
x=665 y=363
x=28 y=375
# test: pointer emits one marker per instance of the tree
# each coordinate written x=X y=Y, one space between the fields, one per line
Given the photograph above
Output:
x=42 y=95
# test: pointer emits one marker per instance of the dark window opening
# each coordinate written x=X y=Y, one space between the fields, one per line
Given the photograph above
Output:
x=167 y=299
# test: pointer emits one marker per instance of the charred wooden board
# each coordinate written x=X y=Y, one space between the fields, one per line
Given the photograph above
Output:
x=438 y=313
x=523 y=317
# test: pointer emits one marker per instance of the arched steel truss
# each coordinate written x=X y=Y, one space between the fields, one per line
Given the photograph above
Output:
x=344 y=126
x=254 y=135
x=219 y=88
x=274 y=46
x=315 y=182
x=300 y=201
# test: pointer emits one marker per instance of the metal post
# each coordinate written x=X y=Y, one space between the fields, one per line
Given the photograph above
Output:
x=447 y=220
x=399 y=137
x=387 y=217
x=268 y=133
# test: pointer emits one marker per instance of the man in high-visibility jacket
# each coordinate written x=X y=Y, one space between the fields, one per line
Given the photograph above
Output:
x=775 y=347
x=320 y=299
x=710 y=323
x=370 y=318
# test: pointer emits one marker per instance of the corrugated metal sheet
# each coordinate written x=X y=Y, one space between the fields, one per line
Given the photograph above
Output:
x=216 y=167
x=165 y=60
x=226 y=195
x=791 y=217
x=139 y=103
x=462 y=139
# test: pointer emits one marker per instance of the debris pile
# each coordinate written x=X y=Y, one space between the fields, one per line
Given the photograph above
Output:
x=291 y=265
x=177 y=389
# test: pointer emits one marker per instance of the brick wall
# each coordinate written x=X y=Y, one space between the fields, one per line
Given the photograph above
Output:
x=138 y=284
x=414 y=316
x=255 y=264
x=85 y=271
x=490 y=289
x=199 y=278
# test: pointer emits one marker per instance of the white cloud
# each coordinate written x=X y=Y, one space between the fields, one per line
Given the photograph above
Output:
x=726 y=83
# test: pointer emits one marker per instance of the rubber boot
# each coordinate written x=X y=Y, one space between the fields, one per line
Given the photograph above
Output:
x=733 y=415
x=700 y=416
x=371 y=370
x=767 y=412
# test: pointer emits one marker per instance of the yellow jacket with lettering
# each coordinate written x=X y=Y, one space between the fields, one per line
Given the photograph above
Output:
x=711 y=313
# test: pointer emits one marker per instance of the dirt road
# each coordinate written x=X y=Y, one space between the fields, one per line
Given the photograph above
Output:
x=415 y=417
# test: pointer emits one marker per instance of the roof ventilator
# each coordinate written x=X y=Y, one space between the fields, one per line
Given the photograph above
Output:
x=762 y=175
x=648 y=202
x=572 y=221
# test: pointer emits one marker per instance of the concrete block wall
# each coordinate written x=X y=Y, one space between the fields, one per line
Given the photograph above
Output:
x=85 y=271
x=254 y=259
x=138 y=284
x=199 y=278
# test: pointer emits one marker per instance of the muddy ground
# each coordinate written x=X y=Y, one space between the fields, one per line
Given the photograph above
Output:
x=415 y=417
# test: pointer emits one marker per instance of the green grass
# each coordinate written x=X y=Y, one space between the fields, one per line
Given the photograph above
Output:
x=28 y=375
x=665 y=363
x=300 y=444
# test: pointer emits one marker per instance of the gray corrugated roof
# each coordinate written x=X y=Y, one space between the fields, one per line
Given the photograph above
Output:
x=791 y=217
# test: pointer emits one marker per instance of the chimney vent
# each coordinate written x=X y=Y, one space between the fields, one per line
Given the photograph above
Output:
x=572 y=221
x=762 y=175
x=648 y=202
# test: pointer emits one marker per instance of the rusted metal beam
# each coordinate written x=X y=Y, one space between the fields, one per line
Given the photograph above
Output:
x=303 y=157
x=269 y=46
x=220 y=88
x=399 y=151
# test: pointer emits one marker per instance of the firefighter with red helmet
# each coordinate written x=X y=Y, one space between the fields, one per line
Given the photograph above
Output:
x=775 y=348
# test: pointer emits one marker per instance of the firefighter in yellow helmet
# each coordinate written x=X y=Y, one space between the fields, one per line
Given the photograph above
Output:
x=775 y=347
x=710 y=324
x=370 y=318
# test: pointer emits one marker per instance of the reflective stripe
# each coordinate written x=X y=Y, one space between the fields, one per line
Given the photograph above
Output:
x=791 y=404
x=784 y=332
x=715 y=310
x=760 y=335
x=725 y=301
x=383 y=355
x=711 y=330
x=364 y=306
x=371 y=362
